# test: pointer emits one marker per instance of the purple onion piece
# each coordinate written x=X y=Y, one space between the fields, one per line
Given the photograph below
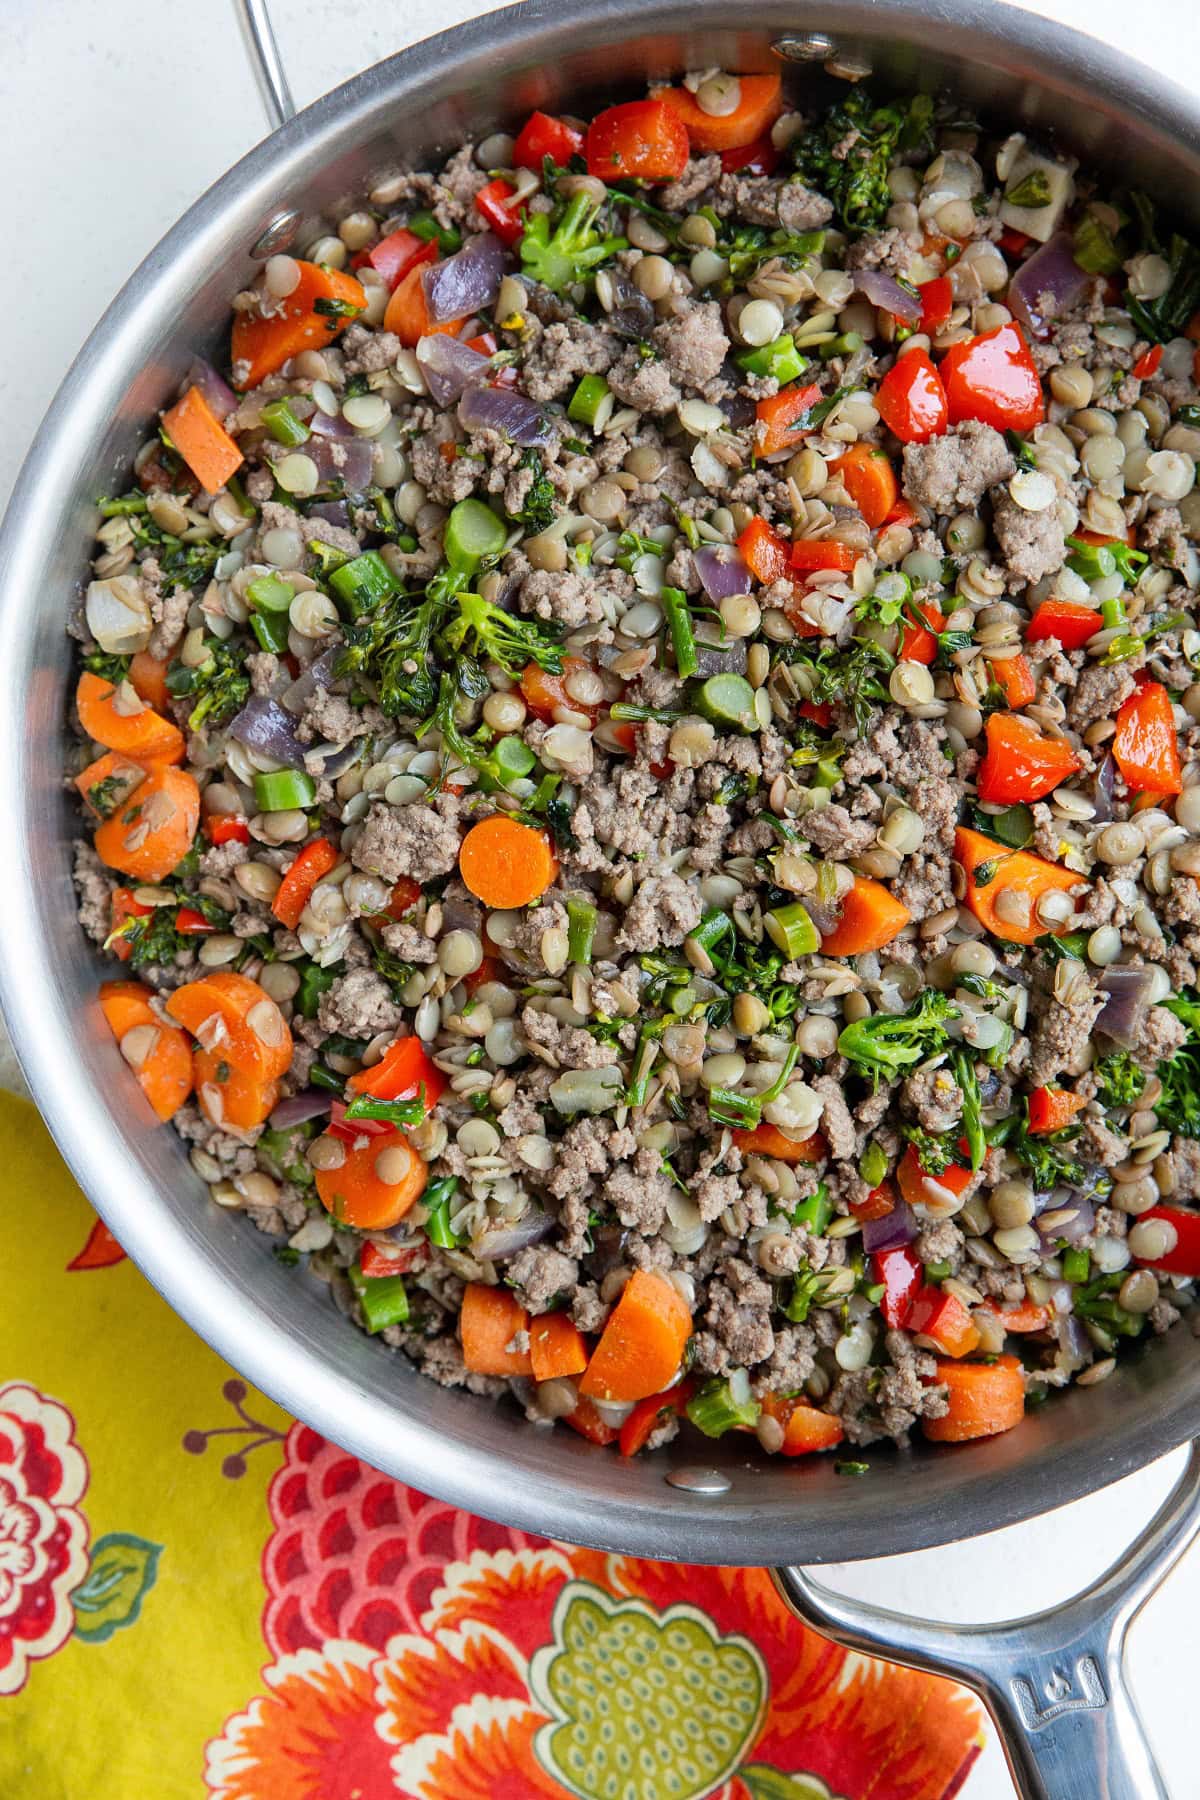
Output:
x=1071 y=1231
x=216 y=391
x=297 y=1109
x=1102 y=789
x=466 y=283
x=348 y=460
x=722 y=571
x=1124 y=1011
x=899 y=1227
x=825 y=914
x=1050 y=270
x=336 y=427
x=322 y=671
x=450 y=366
x=512 y=415
x=264 y=725
x=505 y=1240
x=631 y=314
x=340 y=757
x=720 y=659
x=739 y=409
x=884 y=290
x=331 y=512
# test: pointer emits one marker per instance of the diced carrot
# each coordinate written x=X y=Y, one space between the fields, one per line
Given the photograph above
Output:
x=758 y=107
x=229 y=1098
x=1020 y=1319
x=917 y=642
x=1016 y=681
x=991 y=870
x=202 y=441
x=1051 y=1108
x=643 y=1342
x=404 y=1067
x=506 y=864
x=781 y=417
x=380 y=1179
x=879 y=1203
x=160 y=1056
x=944 y=1320
x=768 y=1140
x=105 y=783
x=805 y=1429
x=228 y=1012
x=556 y=1346
x=152 y=831
x=870 y=481
x=871 y=917
x=543 y=692
x=912 y=1179
x=317 y=310
x=116 y=718
x=984 y=1399
x=490 y=1318
x=295 y=890
x=148 y=679
x=650 y=1413
x=408 y=311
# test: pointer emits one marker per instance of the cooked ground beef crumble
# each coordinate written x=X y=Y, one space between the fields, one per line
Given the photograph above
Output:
x=790 y=558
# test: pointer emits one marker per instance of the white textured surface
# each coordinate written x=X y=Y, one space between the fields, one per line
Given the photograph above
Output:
x=125 y=114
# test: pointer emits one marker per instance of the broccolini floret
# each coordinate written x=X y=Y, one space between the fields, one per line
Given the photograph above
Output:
x=1178 y=1106
x=847 y=154
x=886 y=1044
x=500 y=637
x=1121 y=1079
x=568 y=254
x=219 y=688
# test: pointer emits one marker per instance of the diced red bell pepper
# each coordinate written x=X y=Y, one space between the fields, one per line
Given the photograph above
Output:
x=781 y=417
x=125 y=907
x=543 y=135
x=1020 y=1319
x=490 y=969
x=917 y=642
x=1184 y=1257
x=1066 y=620
x=794 y=613
x=878 y=1204
x=190 y=923
x=937 y=303
x=805 y=1429
x=588 y=1423
x=1146 y=744
x=348 y=1130
x=903 y=513
x=397 y=253
x=1052 y=1108
x=226 y=828
x=759 y=158
x=374 y=1262
x=648 y=1414
x=900 y=1273
x=912 y=1178
x=403 y=897
x=295 y=890
x=1014 y=242
x=943 y=1319
x=1147 y=365
x=994 y=378
x=486 y=345
x=820 y=712
x=823 y=553
x=911 y=399
x=764 y=551
x=1020 y=764
x=404 y=1067
x=492 y=204
x=1016 y=681
x=644 y=140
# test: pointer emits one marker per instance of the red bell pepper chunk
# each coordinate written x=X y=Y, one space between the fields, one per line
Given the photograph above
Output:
x=374 y=1262
x=943 y=1319
x=912 y=1178
x=994 y=378
x=490 y=969
x=397 y=253
x=902 y=513
x=764 y=552
x=1051 y=1108
x=1147 y=365
x=820 y=712
x=911 y=399
x=1014 y=242
x=226 y=828
x=351 y=1129
x=900 y=1273
x=823 y=553
x=314 y=862
x=492 y=204
x=644 y=140
x=759 y=158
x=937 y=303
x=782 y=417
x=404 y=1067
x=403 y=897
x=805 y=1429
x=1020 y=764
x=1019 y=1319
x=191 y=923
x=124 y=908
x=1066 y=620
x=1146 y=744
x=917 y=642
x=649 y=1414
x=542 y=135
x=1183 y=1258
x=588 y=1423
x=878 y=1204
x=1016 y=681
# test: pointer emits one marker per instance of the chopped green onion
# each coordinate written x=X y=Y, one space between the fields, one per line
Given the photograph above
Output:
x=674 y=604
x=587 y=399
x=851 y=1468
x=270 y=593
x=271 y=630
x=320 y=1076
x=237 y=494
x=581 y=929
x=720 y=1405
x=1094 y=562
x=283 y=424
x=1113 y=613
x=472 y=532
x=873 y=1164
x=448 y=238
x=314 y=981
x=638 y=715
x=284 y=790
x=727 y=700
x=806 y=1285
x=791 y=930
x=815 y=1212
x=395 y=1112
x=780 y=359
x=1094 y=249
x=363 y=582
x=382 y=1298
x=1076 y=1267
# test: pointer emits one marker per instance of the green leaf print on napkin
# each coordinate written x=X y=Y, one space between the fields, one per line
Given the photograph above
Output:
x=121 y=1572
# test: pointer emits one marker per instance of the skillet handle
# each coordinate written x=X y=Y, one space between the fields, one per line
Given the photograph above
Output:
x=259 y=33
x=1054 y=1683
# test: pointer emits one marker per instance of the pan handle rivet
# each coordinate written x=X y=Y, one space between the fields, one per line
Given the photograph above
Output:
x=809 y=46
x=699 y=1481
x=276 y=235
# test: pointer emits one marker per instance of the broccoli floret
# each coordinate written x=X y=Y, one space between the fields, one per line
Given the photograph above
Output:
x=539 y=509
x=500 y=637
x=885 y=1044
x=1121 y=1079
x=1167 y=317
x=219 y=688
x=1046 y=1156
x=108 y=668
x=750 y=247
x=935 y=1151
x=393 y=646
x=572 y=251
x=847 y=155
x=1178 y=1106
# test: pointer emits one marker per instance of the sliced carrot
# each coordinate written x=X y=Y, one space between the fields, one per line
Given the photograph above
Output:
x=805 y=1429
x=871 y=917
x=1020 y=1319
x=202 y=441
x=643 y=1342
x=1016 y=681
x=228 y=1097
x=294 y=891
x=160 y=1056
x=768 y=1140
x=781 y=417
x=152 y=831
x=116 y=718
x=228 y=1012
x=408 y=312
x=506 y=864
x=489 y=1320
x=261 y=345
x=105 y=783
x=148 y=679
x=1052 y=1108
x=991 y=870
x=556 y=1346
x=758 y=107
x=379 y=1180
x=985 y=1398
x=870 y=481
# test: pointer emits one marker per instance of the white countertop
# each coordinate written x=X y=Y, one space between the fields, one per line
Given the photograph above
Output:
x=124 y=115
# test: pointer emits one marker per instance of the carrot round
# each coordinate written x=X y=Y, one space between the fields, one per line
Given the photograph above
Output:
x=506 y=864
x=228 y=1097
x=991 y=870
x=202 y=441
x=148 y=679
x=107 y=781
x=768 y=1140
x=262 y=345
x=160 y=1056
x=871 y=917
x=408 y=312
x=119 y=720
x=228 y=1012
x=152 y=831
x=985 y=1398
x=870 y=481
x=489 y=1320
x=380 y=1179
x=757 y=110
x=643 y=1342
x=556 y=1346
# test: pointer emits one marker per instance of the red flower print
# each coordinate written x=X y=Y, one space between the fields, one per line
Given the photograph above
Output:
x=43 y=1535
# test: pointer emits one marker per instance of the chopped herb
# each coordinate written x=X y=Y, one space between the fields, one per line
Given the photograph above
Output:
x=1013 y=826
x=1178 y=1106
x=1121 y=1079
x=1168 y=316
x=108 y=668
x=847 y=155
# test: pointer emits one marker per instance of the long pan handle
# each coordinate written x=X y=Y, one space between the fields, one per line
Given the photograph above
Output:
x=1054 y=1683
x=263 y=50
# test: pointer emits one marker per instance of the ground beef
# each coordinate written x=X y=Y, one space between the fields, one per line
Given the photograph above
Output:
x=571 y=597
x=693 y=344
x=94 y=886
x=1033 y=543
x=637 y=1195
x=935 y=1099
x=564 y=1046
x=562 y=354
x=702 y=172
x=837 y=1121
x=835 y=834
x=940 y=1241
x=1185 y=1167
x=644 y=382
x=953 y=472
x=663 y=910
x=406 y=840
x=1099 y=693
x=1061 y=1037
x=1099 y=1144
x=171 y=613
x=1161 y=1035
x=737 y=1316
x=359 y=1005
x=541 y=1276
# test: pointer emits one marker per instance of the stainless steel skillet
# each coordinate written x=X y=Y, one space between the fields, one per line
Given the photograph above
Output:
x=1054 y=1685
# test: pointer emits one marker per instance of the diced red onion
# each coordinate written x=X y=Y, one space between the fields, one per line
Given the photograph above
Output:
x=216 y=391
x=1070 y=1231
x=631 y=314
x=466 y=283
x=264 y=725
x=1102 y=790
x=325 y=426
x=297 y=1109
x=1050 y=270
x=739 y=409
x=722 y=571
x=449 y=366
x=296 y=695
x=1124 y=1012
x=322 y=671
x=509 y=413
x=350 y=461
x=899 y=1227
x=1073 y=1340
x=884 y=290
x=825 y=914
x=721 y=659
x=504 y=1241
x=339 y=757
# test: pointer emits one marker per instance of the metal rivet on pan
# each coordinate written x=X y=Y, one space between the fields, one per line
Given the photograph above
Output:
x=276 y=235
x=699 y=1481
x=809 y=46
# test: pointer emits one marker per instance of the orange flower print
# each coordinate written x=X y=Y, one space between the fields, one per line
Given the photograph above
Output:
x=43 y=1535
